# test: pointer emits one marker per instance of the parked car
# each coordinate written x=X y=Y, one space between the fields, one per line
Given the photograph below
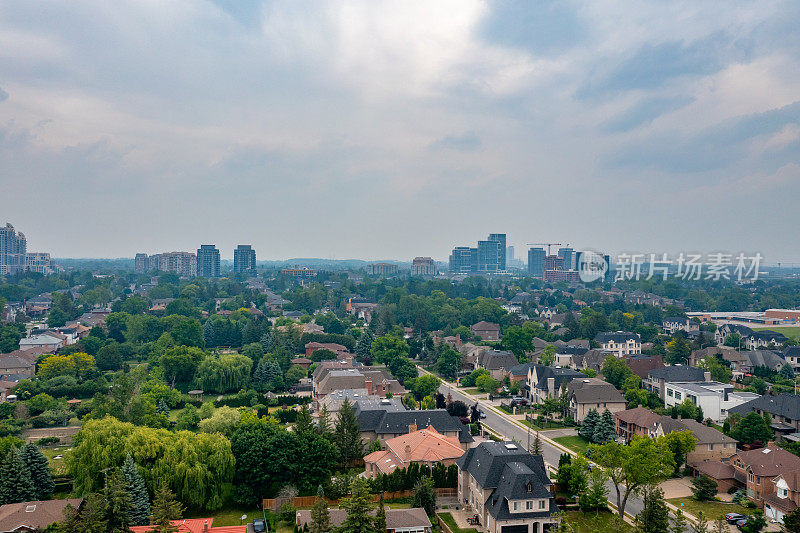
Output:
x=518 y=400
x=733 y=517
x=259 y=525
x=741 y=522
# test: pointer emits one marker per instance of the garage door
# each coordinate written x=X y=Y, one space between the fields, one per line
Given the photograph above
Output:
x=515 y=529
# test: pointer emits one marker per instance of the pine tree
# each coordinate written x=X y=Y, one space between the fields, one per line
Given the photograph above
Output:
x=679 y=522
x=268 y=375
x=304 y=424
x=654 y=517
x=347 y=434
x=380 y=517
x=16 y=485
x=39 y=470
x=320 y=517
x=266 y=341
x=209 y=333
x=165 y=509
x=424 y=495
x=359 y=507
x=324 y=422
x=364 y=345
x=118 y=511
x=604 y=429
x=134 y=485
x=588 y=425
x=564 y=469
x=536 y=446
x=162 y=408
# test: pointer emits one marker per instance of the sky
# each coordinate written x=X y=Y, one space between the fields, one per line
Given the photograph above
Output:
x=372 y=129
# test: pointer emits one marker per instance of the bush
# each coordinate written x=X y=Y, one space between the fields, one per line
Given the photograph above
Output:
x=47 y=441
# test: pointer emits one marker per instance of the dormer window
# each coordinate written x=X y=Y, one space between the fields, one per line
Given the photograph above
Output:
x=529 y=487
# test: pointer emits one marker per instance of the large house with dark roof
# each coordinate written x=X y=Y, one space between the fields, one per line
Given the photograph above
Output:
x=507 y=487
x=791 y=354
x=620 y=343
x=547 y=381
x=380 y=424
x=497 y=362
x=658 y=377
x=487 y=331
x=746 y=361
x=784 y=410
x=671 y=324
x=586 y=394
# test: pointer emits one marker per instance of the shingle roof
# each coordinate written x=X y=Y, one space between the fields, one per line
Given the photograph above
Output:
x=487 y=461
x=766 y=358
x=515 y=480
x=395 y=518
x=617 y=336
x=640 y=416
x=677 y=373
x=398 y=422
x=497 y=359
x=770 y=461
x=35 y=515
x=559 y=375
x=785 y=405
x=485 y=326
x=593 y=390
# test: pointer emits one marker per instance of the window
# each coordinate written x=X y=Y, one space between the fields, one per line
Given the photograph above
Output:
x=758 y=495
x=669 y=393
x=516 y=506
x=783 y=493
x=750 y=477
x=542 y=504
x=677 y=395
x=529 y=505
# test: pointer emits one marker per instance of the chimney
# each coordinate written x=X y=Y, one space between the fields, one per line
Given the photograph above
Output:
x=408 y=452
x=551 y=386
x=205 y=526
x=412 y=428
x=368 y=385
x=707 y=376
x=458 y=339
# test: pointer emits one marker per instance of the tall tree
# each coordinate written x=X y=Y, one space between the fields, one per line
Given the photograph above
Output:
x=588 y=425
x=359 y=507
x=39 y=470
x=304 y=424
x=118 y=505
x=364 y=346
x=16 y=485
x=347 y=434
x=165 y=509
x=631 y=467
x=604 y=430
x=424 y=495
x=134 y=485
x=654 y=517
x=320 y=517
x=380 y=517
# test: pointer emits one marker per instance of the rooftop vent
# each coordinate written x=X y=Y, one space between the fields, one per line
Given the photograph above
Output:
x=30 y=508
x=766 y=451
x=511 y=446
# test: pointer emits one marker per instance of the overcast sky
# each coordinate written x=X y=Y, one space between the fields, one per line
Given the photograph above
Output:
x=394 y=129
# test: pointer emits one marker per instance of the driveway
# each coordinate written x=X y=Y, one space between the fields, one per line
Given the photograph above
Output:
x=677 y=488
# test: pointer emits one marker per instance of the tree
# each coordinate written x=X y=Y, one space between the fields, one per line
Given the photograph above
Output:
x=719 y=372
x=109 y=357
x=579 y=476
x=268 y=376
x=680 y=443
x=755 y=523
x=751 y=428
x=304 y=424
x=791 y=521
x=589 y=424
x=424 y=495
x=135 y=487
x=595 y=497
x=39 y=470
x=17 y=485
x=364 y=346
x=654 y=517
x=548 y=355
x=359 y=507
x=165 y=509
x=380 y=517
x=536 y=446
x=228 y=372
x=224 y=420
x=295 y=374
x=615 y=371
x=701 y=524
x=320 y=516
x=449 y=362
x=347 y=434
x=604 y=430
x=678 y=522
x=564 y=471
x=678 y=350
x=733 y=340
x=631 y=467
x=704 y=488
x=180 y=363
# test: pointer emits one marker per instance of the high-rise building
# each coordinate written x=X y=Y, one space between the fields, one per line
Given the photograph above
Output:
x=381 y=269
x=244 y=259
x=12 y=250
x=536 y=262
x=500 y=238
x=509 y=255
x=141 y=263
x=39 y=262
x=553 y=262
x=423 y=266
x=182 y=263
x=489 y=256
x=208 y=261
x=568 y=255
x=464 y=260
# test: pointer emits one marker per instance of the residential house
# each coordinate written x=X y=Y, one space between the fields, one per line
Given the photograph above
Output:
x=591 y=393
x=377 y=380
x=470 y=353
x=672 y=324
x=497 y=362
x=657 y=378
x=338 y=349
x=519 y=373
x=547 y=381
x=784 y=410
x=16 y=365
x=50 y=341
x=637 y=422
x=724 y=330
x=591 y=359
x=381 y=424
x=620 y=343
x=785 y=498
x=791 y=354
x=764 y=339
x=713 y=397
x=487 y=331
x=360 y=399
x=30 y=517
x=305 y=362
x=745 y=362
x=5 y=388
x=423 y=446
x=641 y=365
x=508 y=488
x=412 y=520
x=712 y=351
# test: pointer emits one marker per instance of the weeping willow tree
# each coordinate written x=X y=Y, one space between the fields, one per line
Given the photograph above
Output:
x=197 y=467
x=228 y=372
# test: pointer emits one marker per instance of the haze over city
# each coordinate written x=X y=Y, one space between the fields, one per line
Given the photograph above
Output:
x=381 y=130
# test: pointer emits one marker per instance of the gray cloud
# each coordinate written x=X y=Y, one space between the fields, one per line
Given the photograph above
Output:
x=467 y=142
x=644 y=113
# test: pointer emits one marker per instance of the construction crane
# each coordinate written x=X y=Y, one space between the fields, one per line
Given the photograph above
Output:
x=548 y=244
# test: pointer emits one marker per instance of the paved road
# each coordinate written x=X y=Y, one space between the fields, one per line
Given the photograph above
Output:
x=505 y=427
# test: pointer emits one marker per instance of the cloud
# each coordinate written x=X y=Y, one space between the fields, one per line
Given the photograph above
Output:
x=3 y=95
x=467 y=142
x=644 y=113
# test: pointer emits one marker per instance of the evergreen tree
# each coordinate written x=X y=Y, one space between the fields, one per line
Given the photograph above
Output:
x=89 y=519
x=791 y=521
x=304 y=423
x=16 y=485
x=380 y=517
x=320 y=517
x=209 y=333
x=364 y=346
x=324 y=423
x=134 y=485
x=118 y=511
x=268 y=375
x=39 y=470
x=424 y=495
x=165 y=509
x=266 y=341
x=536 y=446
x=588 y=425
x=359 y=507
x=347 y=434
x=678 y=522
x=654 y=517
x=787 y=372
x=604 y=429
x=162 y=408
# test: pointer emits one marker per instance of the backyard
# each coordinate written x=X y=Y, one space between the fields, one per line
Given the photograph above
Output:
x=575 y=443
x=711 y=510
x=591 y=522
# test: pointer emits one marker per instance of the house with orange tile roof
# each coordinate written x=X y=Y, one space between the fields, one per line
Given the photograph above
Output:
x=424 y=446
x=195 y=525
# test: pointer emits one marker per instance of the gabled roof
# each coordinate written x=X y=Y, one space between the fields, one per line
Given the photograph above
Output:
x=397 y=422
x=487 y=462
x=485 y=326
x=35 y=515
x=770 y=461
x=766 y=358
x=617 y=336
x=521 y=481
x=784 y=405
x=559 y=375
x=425 y=445
x=593 y=390
x=497 y=359
x=640 y=416
x=677 y=373
x=520 y=370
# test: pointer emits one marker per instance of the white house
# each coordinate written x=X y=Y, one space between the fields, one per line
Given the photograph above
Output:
x=713 y=397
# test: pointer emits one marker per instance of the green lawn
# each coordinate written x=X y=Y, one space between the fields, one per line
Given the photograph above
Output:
x=448 y=519
x=590 y=522
x=790 y=332
x=231 y=516
x=471 y=390
x=712 y=510
x=544 y=425
x=57 y=466
x=575 y=443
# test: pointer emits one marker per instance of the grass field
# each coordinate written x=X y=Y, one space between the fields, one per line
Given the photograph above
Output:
x=590 y=522
x=57 y=466
x=544 y=425
x=790 y=332
x=711 y=510
x=448 y=519
x=231 y=516
x=574 y=443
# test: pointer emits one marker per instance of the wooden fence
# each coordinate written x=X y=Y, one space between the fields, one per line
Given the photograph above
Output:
x=275 y=504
